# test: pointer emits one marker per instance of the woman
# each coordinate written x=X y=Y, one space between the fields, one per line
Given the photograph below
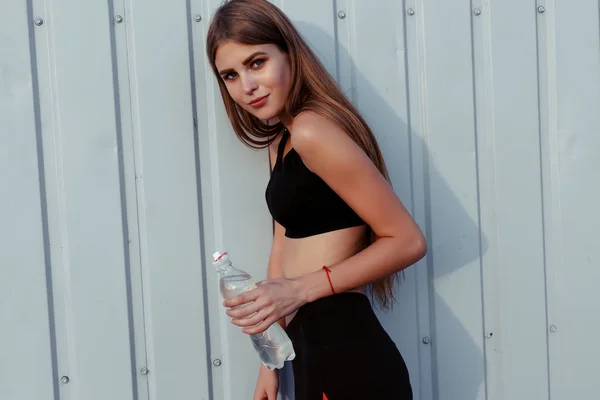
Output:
x=339 y=227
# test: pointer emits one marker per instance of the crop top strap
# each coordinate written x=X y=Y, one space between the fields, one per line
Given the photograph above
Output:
x=284 y=137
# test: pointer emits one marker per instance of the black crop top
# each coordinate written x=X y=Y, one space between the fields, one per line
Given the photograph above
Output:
x=301 y=201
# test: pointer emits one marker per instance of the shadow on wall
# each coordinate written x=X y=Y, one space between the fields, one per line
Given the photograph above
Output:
x=458 y=367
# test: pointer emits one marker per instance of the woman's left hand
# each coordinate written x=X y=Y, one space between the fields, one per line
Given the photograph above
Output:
x=270 y=301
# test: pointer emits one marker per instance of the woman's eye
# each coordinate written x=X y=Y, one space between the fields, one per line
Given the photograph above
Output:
x=230 y=76
x=258 y=63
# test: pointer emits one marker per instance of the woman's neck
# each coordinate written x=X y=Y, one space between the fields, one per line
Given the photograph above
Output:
x=286 y=119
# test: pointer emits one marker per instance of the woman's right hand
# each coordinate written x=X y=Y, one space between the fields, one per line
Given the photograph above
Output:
x=267 y=384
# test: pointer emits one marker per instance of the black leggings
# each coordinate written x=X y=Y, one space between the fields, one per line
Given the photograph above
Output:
x=343 y=352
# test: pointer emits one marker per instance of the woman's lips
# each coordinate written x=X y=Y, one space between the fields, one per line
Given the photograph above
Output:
x=257 y=103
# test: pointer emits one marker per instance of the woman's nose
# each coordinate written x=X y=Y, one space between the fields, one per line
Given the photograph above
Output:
x=249 y=84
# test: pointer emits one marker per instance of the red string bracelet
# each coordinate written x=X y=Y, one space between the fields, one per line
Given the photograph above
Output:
x=327 y=271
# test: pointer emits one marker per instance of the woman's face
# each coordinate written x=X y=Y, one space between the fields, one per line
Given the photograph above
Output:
x=257 y=77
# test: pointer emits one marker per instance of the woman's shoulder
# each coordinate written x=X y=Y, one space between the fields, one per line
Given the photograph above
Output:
x=312 y=130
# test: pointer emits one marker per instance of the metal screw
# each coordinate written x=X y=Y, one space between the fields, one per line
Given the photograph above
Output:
x=38 y=21
x=217 y=362
x=553 y=328
x=541 y=9
x=197 y=17
x=342 y=15
x=118 y=19
x=488 y=335
x=410 y=12
x=65 y=379
x=425 y=340
x=477 y=12
x=144 y=371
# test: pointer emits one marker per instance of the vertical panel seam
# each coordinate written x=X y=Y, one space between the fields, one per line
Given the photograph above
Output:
x=547 y=100
x=476 y=133
x=122 y=195
x=208 y=343
x=43 y=202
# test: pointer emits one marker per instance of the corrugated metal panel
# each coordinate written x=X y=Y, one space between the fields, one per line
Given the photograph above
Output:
x=27 y=352
x=122 y=175
x=164 y=147
x=508 y=135
x=83 y=209
x=571 y=99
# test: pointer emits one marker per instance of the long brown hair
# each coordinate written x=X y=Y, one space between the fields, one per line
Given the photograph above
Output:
x=254 y=22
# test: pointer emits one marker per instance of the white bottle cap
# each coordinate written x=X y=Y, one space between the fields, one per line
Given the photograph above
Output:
x=217 y=255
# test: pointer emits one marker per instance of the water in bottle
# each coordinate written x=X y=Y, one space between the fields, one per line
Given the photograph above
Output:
x=273 y=346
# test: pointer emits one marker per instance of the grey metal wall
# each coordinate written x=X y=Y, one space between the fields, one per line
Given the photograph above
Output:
x=120 y=175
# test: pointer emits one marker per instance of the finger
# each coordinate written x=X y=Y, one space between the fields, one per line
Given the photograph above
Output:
x=263 y=326
x=243 y=298
x=254 y=319
x=260 y=396
x=272 y=394
x=245 y=311
x=257 y=393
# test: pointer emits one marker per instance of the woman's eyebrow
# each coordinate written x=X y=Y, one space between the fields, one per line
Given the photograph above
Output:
x=245 y=62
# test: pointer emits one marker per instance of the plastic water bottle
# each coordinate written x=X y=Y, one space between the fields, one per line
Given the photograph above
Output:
x=273 y=346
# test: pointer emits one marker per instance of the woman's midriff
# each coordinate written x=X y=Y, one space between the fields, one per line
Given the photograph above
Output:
x=306 y=255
